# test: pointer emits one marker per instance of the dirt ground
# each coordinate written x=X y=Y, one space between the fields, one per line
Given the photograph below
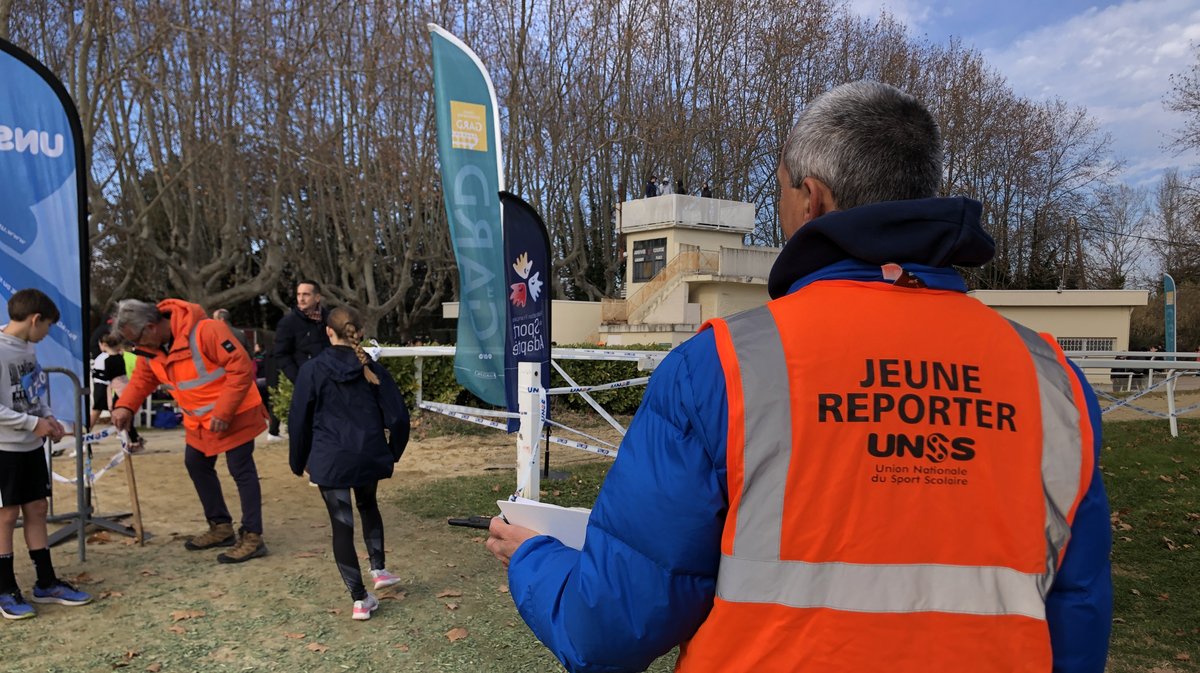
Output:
x=160 y=607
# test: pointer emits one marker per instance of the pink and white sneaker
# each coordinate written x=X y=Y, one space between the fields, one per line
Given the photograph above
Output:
x=364 y=608
x=384 y=579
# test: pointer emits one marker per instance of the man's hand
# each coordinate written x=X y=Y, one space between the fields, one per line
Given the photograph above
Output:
x=504 y=538
x=218 y=425
x=122 y=419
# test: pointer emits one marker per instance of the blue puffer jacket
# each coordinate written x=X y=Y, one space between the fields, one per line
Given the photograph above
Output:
x=337 y=420
x=646 y=577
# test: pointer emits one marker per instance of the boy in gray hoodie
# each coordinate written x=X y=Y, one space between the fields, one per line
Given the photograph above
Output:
x=25 y=422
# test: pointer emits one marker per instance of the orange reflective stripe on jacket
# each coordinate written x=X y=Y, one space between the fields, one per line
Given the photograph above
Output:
x=903 y=467
x=197 y=388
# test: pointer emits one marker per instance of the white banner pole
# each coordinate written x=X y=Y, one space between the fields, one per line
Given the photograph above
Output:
x=529 y=394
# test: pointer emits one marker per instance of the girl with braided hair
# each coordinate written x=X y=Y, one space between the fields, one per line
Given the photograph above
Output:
x=347 y=427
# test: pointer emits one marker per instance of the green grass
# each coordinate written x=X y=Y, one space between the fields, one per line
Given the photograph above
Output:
x=1153 y=484
x=464 y=496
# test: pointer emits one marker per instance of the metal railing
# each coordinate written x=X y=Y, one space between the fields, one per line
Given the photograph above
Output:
x=691 y=259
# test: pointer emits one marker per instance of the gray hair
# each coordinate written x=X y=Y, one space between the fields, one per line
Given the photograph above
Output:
x=868 y=142
x=135 y=315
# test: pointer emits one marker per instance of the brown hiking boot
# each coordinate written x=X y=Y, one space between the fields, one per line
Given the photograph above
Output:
x=218 y=535
x=249 y=545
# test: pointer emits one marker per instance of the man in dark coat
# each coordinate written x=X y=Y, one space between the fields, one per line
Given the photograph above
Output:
x=299 y=336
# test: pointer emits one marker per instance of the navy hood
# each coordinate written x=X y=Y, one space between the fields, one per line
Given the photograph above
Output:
x=341 y=363
x=936 y=232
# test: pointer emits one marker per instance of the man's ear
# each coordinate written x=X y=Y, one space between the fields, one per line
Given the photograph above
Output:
x=820 y=199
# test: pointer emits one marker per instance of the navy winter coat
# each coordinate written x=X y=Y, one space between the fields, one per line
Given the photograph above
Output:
x=337 y=421
x=297 y=339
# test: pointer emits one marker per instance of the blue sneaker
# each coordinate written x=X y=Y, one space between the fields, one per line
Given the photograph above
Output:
x=13 y=606
x=62 y=593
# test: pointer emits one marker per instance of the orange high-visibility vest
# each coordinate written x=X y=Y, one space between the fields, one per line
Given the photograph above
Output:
x=197 y=382
x=903 y=469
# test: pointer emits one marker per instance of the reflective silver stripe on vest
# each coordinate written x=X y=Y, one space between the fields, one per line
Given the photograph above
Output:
x=203 y=375
x=199 y=411
x=1061 y=440
x=768 y=437
x=882 y=588
x=755 y=573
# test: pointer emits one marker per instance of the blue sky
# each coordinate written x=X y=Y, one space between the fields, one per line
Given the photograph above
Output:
x=1114 y=58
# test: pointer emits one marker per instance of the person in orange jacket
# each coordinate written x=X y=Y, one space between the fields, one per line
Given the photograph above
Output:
x=212 y=380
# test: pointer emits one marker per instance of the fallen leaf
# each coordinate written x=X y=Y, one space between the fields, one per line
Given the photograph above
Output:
x=456 y=634
x=1135 y=592
x=451 y=565
x=317 y=525
x=1163 y=597
x=110 y=594
x=1124 y=526
x=316 y=647
x=101 y=537
x=148 y=572
x=1192 y=516
x=402 y=648
x=394 y=596
x=293 y=636
x=449 y=593
x=1118 y=620
x=503 y=589
x=1183 y=656
x=178 y=630
x=1163 y=477
x=451 y=606
x=84 y=578
x=305 y=554
x=154 y=668
x=1171 y=546
x=496 y=488
x=334 y=611
x=557 y=492
x=180 y=615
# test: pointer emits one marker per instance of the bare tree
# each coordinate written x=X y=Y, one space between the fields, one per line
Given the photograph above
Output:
x=1114 y=230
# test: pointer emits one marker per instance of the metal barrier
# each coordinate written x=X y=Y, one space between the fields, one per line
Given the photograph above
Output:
x=1131 y=366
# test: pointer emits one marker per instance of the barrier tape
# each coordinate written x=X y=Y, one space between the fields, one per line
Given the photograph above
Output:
x=93 y=477
x=463 y=416
x=582 y=434
x=611 y=453
x=438 y=408
x=591 y=389
x=470 y=411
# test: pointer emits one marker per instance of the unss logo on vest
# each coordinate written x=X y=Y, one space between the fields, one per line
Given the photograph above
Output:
x=935 y=447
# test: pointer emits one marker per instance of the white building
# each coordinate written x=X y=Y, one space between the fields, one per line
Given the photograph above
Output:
x=686 y=263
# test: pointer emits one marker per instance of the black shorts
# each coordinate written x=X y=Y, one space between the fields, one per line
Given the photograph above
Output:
x=100 y=397
x=24 y=477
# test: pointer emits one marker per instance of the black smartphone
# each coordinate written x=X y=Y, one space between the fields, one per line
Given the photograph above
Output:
x=471 y=522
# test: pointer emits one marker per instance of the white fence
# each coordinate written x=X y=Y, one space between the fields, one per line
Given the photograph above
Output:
x=1139 y=374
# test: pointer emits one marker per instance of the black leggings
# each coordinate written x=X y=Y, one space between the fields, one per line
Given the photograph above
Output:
x=341 y=518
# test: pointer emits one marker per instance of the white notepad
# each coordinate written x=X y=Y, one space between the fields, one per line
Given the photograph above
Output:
x=567 y=524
